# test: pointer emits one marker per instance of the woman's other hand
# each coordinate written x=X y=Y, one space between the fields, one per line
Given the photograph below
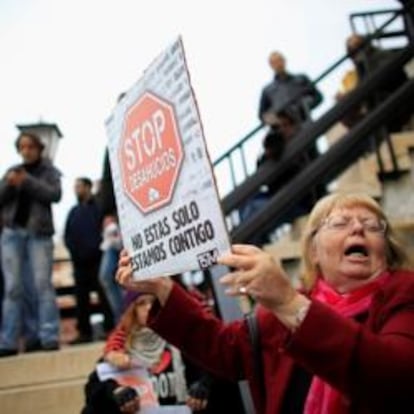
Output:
x=257 y=274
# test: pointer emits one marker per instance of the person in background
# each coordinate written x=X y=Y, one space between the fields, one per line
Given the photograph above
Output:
x=275 y=143
x=287 y=93
x=111 y=246
x=106 y=195
x=132 y=344
x=343 y=344
x=294 y=92
x=82 y=237
x=27 y=192
x=368 y=58
x=112 y=238
x=289 y=127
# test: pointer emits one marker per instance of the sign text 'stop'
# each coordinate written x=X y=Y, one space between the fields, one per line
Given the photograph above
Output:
x=150 y=152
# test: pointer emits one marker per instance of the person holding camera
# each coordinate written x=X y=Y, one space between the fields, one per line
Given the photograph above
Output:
x=27 y=192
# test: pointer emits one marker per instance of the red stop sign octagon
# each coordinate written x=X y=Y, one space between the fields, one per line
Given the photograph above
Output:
x=150 y=152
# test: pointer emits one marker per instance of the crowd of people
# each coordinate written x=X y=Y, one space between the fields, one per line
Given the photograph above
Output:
x=30 y=316
x=341 y=343
x=286 y=106
x=29 y=308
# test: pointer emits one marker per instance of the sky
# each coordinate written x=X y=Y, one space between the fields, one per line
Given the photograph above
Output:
x=66 y=61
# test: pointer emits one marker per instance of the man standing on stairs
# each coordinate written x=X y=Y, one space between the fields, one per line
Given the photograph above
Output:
x=83 y=238
x=294 y=92
x=367 y=58
x=27 y=192
x=289 y=96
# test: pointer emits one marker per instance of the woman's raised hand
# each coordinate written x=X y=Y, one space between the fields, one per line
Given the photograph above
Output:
x=159 y=286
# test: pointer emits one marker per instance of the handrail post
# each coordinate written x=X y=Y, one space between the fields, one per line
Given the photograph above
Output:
x=409 y=19
x=244 y=163
x=232 y=174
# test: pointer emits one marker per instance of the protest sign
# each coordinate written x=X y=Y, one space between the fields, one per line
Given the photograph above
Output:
x=170 y=214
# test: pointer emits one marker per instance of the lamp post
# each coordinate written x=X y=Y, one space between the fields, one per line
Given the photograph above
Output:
x=49 y=135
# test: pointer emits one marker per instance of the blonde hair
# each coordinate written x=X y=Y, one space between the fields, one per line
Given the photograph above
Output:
x=395 y=254
x=129 y=318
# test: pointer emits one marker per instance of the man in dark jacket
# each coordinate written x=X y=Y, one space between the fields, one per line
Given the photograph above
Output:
x=287 y=91
x=26 y=193
x=83 y=239
x=368 y=58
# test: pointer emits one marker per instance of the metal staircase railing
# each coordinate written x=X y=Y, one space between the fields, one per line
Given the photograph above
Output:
x=238 y=149
x=367 y=23
x=326 y=167
x=323 y=168
x=311 y=131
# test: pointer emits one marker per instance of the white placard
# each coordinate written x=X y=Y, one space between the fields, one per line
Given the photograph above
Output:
x=166 y=409
x=168 y=206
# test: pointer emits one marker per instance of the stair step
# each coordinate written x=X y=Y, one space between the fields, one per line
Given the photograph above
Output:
x=38 y=368
x=402 y=142
x=403 y=224
x=284 y=249
x=362 y=177
x=64 y=397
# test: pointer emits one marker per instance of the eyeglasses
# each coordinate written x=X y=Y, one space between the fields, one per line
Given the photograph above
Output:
x=369 y=224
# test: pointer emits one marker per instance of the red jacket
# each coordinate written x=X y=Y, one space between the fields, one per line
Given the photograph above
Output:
x=371 y=362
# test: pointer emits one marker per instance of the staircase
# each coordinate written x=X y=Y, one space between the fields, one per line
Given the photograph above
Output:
x=47 y=382
x=396 y=196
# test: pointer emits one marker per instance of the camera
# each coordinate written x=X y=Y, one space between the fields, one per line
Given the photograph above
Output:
x=124 y=394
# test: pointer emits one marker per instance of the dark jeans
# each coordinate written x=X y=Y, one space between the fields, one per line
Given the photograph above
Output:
x=27 y=269
x=86 y=281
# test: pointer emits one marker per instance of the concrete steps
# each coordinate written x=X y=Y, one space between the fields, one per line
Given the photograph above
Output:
x=362 y=175
x=65 y=397
x=47 y=382
x=395 y=196
x=402 y=143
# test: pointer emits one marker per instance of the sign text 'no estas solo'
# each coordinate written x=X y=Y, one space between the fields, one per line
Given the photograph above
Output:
x=167 y=201
x=150 y=152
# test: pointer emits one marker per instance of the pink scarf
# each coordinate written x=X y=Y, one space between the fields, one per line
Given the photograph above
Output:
x=322 y=398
